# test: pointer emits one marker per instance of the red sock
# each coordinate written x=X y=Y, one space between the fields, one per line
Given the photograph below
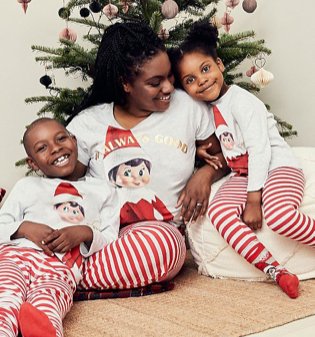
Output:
x=289 y=283
x=34 y=323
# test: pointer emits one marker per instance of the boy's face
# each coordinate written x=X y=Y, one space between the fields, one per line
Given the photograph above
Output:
x=201 y=76
x=51 y=149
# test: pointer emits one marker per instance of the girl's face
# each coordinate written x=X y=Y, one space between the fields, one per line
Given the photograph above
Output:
x=202 y=77
x=151 y=89
x=132 y=176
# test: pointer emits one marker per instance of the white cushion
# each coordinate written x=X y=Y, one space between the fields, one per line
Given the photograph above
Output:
x=216 y=258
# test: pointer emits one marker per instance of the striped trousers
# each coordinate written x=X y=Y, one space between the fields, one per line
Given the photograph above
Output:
x=281 y=198
x=144 y=253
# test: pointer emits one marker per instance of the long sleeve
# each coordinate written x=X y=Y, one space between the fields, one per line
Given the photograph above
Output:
x=11 y=213
x=107 y=229
x=251 y=116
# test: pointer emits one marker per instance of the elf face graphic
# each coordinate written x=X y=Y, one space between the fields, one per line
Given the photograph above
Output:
x=66 y=203
x=222 y=130
x=124 y=160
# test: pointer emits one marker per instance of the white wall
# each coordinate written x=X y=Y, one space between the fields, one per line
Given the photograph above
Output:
x=287 y=26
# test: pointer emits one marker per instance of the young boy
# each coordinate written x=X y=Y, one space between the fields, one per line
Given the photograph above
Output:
x=48 y=226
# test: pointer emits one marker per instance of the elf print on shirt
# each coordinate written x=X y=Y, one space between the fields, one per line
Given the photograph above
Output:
x=236 y=156
x=67 y=203
x=128 y=168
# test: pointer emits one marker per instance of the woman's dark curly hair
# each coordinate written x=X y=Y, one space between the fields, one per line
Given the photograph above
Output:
x=202 y=37
x=124 y=48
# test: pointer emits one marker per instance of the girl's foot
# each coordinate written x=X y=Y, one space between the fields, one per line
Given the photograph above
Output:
x=288 y=282
x=34 y=323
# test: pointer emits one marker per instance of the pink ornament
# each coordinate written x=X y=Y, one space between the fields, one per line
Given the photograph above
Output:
x=226 y=21
x=68 y=34
x=163 y=34
x=251 y=71
x=110 y=11
x=249 y=5
x=24 y=4
x=169 y=9
x=231 y=3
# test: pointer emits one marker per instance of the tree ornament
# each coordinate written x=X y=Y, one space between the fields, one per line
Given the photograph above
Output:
x=169 y=9
x=249 y=5
x=84 y=12
x=110 y=11
x=45 y=80
x=163 y=34
x=251 y=71
x=262 y=77
x=231 y=3
x=95 y=7
x=215 y=21
x=226 y=21
x=64 y=13
x=125 y=6
x=68 y=34
x=24 y=4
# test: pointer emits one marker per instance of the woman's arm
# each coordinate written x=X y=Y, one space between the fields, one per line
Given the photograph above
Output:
x=195 y=196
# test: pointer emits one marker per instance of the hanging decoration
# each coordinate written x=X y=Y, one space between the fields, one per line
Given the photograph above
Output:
x=110 y=11
x=163 y=34
x=226 y=21
x=95 y=7
x=64 y=13
x=215 y=21
x=169 y=9
x=24 y=4
x=45 y=81
x=231 y=3
x=261 y=77
x=249 y=6
x=125 y=4
x=251 y=71
x=84 y=12
x=68 y=34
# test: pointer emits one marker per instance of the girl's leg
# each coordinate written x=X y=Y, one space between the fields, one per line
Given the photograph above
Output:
x=49 y=298
x=144 y=253
x=225 y=213
x=13 y=287
x=282 y=196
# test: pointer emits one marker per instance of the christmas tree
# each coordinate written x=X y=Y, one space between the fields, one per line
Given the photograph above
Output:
x=74 y=58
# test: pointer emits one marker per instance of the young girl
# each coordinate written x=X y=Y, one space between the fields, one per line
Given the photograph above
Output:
x=266 y=174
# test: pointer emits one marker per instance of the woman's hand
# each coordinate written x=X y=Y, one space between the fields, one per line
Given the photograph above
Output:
x=35 y=232
x=194 y=198
x=252 y=215
x=64 y=239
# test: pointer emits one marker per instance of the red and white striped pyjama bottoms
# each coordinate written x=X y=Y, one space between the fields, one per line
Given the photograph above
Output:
x=144 y=253
x=282 y=196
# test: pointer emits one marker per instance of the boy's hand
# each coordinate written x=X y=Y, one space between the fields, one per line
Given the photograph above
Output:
x=252 y=215
x=35 y=232
x=64 y=239
x=202 y=152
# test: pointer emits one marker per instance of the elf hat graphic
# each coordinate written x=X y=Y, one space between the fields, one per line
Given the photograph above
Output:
x=66 y=192
x=220 y=123
x=120 y=147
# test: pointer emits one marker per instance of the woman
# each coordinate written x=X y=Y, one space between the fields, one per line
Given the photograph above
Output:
x=138 y=133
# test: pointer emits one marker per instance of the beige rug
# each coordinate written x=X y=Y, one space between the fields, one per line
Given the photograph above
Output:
x=198 y=306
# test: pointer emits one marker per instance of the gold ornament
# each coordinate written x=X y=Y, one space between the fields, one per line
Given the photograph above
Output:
x=215 y=21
